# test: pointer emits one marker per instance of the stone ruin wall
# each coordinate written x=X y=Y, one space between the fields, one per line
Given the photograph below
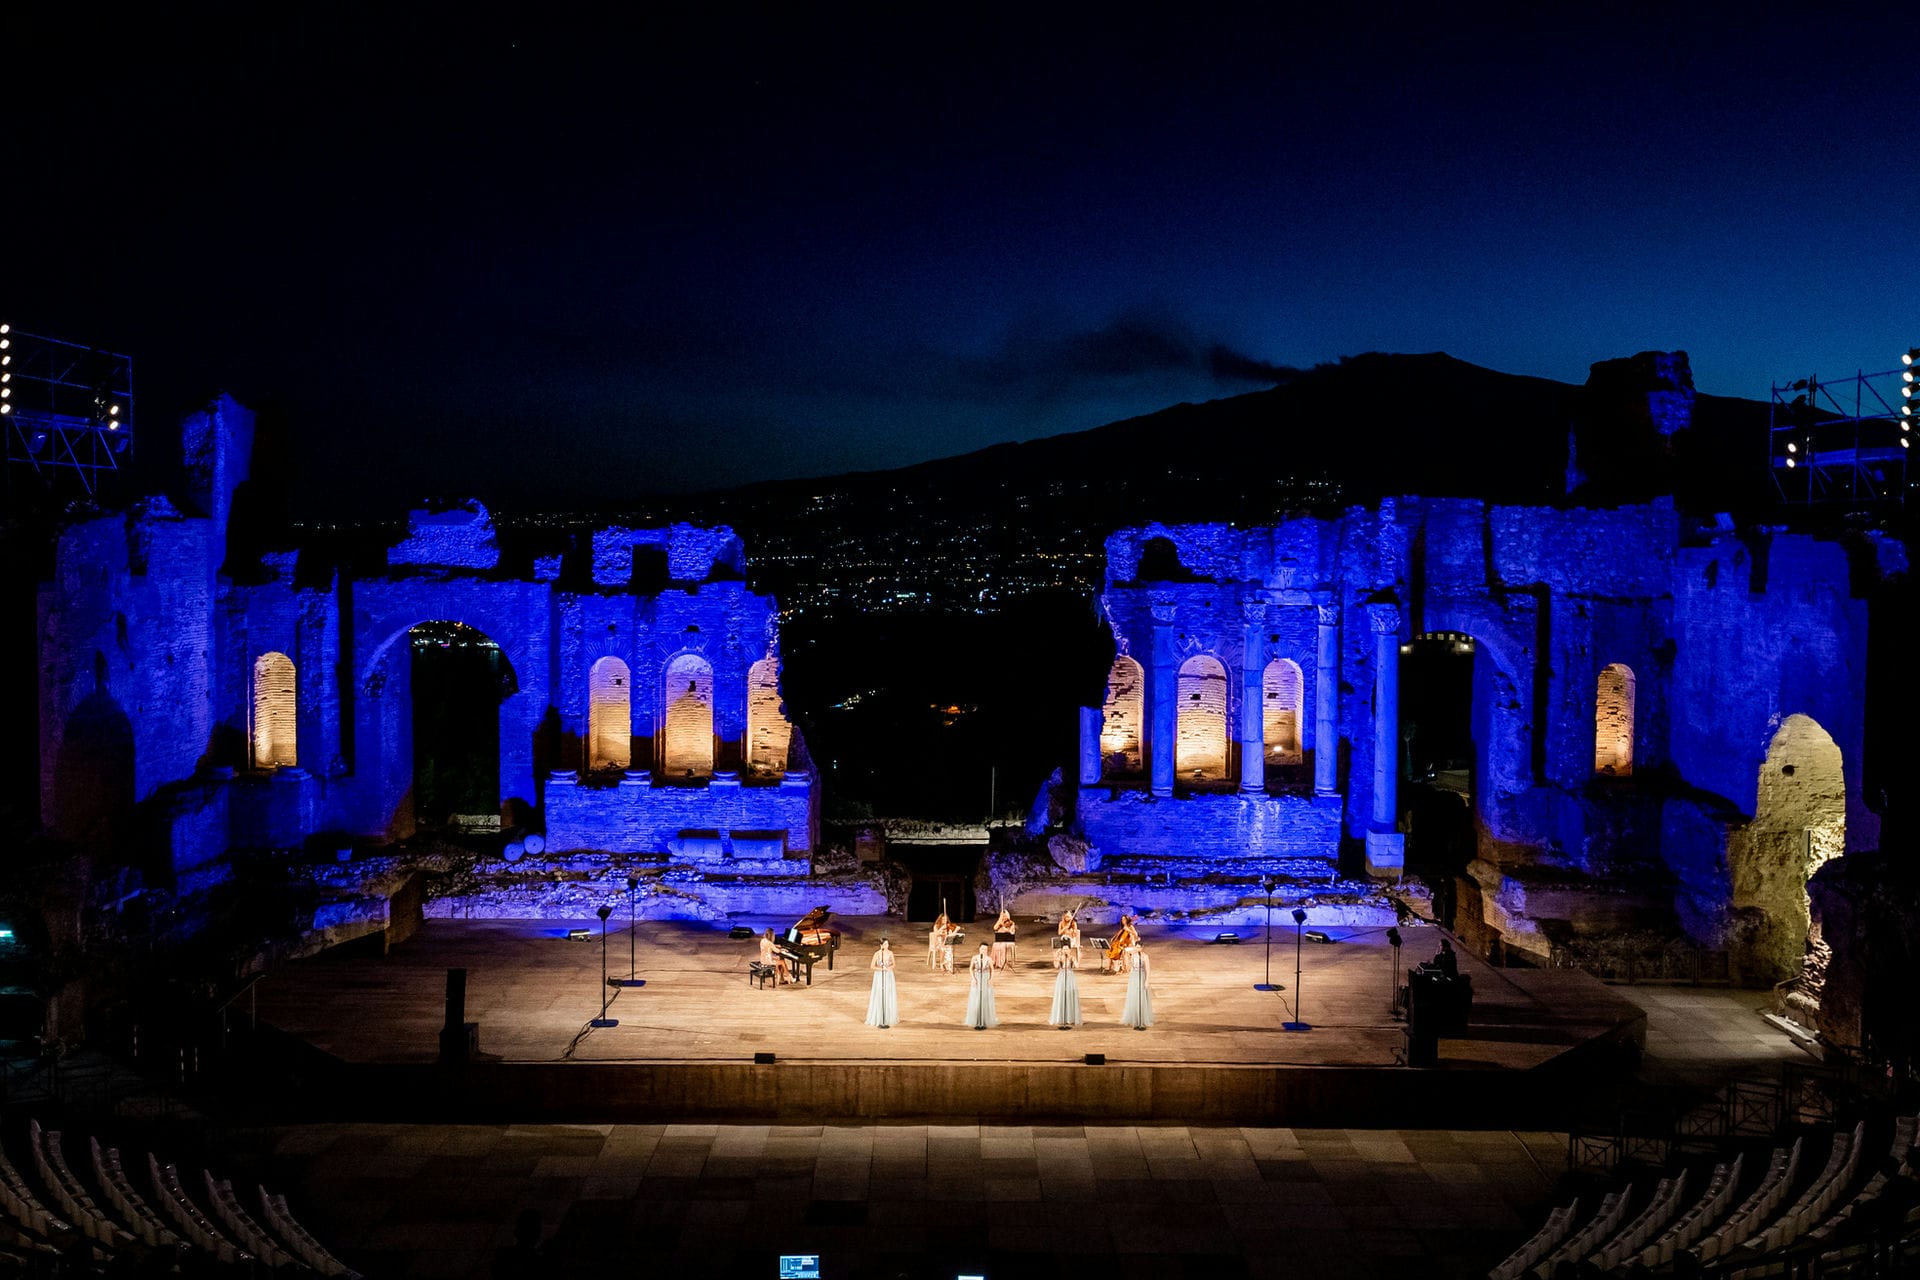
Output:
x=1720 y=652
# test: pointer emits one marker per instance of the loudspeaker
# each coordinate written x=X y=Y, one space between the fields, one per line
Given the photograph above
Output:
x=1096 y=1059
x=762 y=1059
x=740 y=931
x=456 y=998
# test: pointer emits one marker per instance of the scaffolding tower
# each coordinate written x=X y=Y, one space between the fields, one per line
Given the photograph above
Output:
x=67 y=410
x=1844 y=440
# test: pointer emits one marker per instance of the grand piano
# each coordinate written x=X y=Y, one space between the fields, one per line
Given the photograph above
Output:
x=810 y=940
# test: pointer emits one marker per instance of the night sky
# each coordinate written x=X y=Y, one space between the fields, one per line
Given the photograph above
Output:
x=546 y=258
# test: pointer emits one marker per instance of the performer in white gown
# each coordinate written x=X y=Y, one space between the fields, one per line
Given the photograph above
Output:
x=883 y=1006
x=1138 y=1012
x=980 y=994
x=1066 y=988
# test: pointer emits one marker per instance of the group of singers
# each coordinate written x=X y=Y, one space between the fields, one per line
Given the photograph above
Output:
x=1124 y=954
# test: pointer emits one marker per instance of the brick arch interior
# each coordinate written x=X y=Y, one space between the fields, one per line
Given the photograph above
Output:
x=275 y=730
x=609 y=714
x=1282 y=706
x=768 y=732
x=1613 y=719
x=1201 y=723
x=686 y=698
x=1122 y=722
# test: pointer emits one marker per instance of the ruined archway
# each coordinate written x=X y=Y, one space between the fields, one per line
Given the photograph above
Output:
x=609 y=715
x=459 y=677
x=1282 y=688
x=275 y=737
x=768 y=732
x=1122 y=755
x=1799 y=822
x=1200 y=732
x=687 y=692
x=1439 y=751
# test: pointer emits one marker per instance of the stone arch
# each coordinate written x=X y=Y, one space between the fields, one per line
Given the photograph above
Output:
x=276 y=712
x=1200 y=733
x=1613 y=708
x=1122 y=754
x=1799 y=823
x=609 y=714
x=768 y=732
x=687 y=694
x=1282 y=688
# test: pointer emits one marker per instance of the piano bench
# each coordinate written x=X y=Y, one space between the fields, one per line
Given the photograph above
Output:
x=762 y=973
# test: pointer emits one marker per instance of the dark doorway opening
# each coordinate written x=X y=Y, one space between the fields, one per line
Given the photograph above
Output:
x=1438 y=757
x=459 y=679
x=942 y=873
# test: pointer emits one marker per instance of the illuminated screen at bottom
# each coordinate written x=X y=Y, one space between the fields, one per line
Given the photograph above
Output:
x=799 y=1266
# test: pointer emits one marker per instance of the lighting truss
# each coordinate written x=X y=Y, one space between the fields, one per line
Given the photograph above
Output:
x=69 y=411
x=1846 y=440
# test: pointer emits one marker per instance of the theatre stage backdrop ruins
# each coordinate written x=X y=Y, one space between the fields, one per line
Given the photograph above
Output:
x=1666 y=716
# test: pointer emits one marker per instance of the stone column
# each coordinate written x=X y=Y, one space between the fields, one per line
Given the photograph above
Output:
x=1253 y=729
x=1326 y=698
x=1092 y=720
x=1163 y=693
x=1386 y=853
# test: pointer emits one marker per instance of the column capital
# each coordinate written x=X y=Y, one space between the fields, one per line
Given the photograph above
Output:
x=1253 y=612
x=1384 y=619
x=1160 y=605
x=1326 y=614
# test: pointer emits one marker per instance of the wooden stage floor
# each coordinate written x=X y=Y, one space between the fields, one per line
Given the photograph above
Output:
x=533 y=992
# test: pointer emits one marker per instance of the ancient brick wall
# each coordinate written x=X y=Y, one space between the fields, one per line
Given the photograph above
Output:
x=1123 y=729
x=768 y=731
x=640 y=818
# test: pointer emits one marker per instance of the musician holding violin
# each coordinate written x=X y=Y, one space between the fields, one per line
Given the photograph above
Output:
x=1127 y=935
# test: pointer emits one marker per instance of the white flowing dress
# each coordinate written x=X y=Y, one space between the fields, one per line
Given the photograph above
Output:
x=1138 y=1012
x=883 y=1006
x=980 y=995
x=1066 y=993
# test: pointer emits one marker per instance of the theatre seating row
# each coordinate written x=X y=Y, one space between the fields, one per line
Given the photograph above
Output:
x=1769 y=1221
x=40 y=1221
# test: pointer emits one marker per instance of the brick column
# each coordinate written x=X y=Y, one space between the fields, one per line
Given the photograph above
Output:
x=1326 y=699
x=1253 y=729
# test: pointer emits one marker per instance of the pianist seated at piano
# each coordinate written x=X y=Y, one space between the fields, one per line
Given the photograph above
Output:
x=808 y=942
x=770 y=954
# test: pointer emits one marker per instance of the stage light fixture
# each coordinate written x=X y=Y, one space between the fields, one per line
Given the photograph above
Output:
x=1792 y=447
x=1911 y=357
x=1789 y=464
x=6 y=408
x=113 y=411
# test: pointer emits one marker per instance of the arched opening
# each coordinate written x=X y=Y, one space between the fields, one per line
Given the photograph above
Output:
x=1121 y=752
x=1799 y=822
x=768 y=732
x=1281 y=688
x=609 y=715
x=1613 y=721
x=688 y=750
x=276 y=711
x=1437 y=758
x=459 y=679
x=1200 y=735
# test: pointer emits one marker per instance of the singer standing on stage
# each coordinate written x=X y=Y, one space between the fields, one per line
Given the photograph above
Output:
x=1066 y=988
x=883 y=1006
x=980 y=994
x=1138 y=1012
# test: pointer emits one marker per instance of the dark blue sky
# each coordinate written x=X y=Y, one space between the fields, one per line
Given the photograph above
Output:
x=540 y=256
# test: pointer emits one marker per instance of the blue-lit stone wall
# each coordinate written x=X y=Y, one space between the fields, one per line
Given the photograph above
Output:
x=1726 y=634
x=148 y=645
